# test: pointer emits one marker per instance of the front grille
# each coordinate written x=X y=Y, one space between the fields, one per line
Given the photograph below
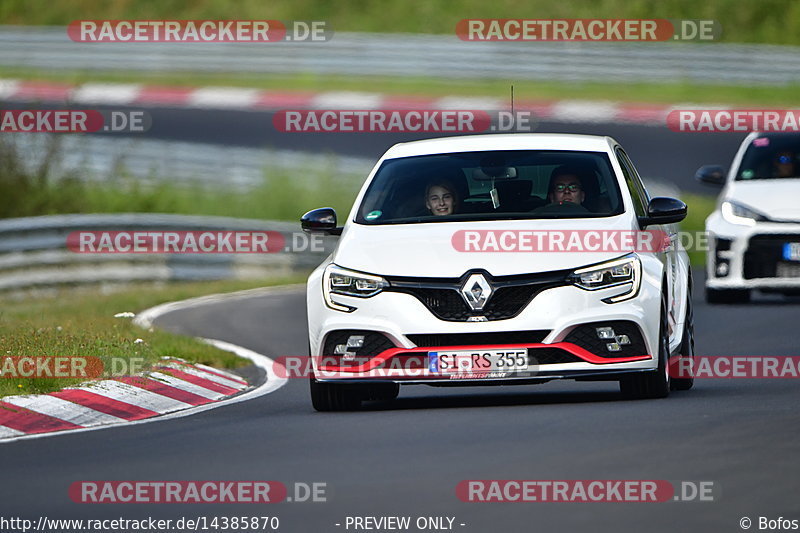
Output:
x=374 y=342
x=509 y=301
x=446 y=304
x=585 y=336
x=551 y=356
x=511 y=294
x=764 y=256
x=478 y=339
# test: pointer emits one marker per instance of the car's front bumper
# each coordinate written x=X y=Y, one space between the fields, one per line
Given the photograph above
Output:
x=750 y=257
x=554 y=318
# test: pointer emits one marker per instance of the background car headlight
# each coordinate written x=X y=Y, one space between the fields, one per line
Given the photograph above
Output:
x=739 y=214
x=623 y=271
x=338 y=280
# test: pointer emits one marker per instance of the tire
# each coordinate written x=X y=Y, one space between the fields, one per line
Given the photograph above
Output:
x=654 y=383
x=687 y=347
x=335 y=396
x=727 y=296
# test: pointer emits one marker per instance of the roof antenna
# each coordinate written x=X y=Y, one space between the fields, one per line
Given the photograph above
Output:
x=512 y=101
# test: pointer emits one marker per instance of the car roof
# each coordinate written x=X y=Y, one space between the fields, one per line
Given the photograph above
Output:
x=514 y=141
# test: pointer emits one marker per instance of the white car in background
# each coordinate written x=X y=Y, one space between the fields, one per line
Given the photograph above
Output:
x=754 y=234
x=397 y=303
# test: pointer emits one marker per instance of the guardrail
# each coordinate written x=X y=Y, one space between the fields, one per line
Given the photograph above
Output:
x=408 y=55
x=34 y=253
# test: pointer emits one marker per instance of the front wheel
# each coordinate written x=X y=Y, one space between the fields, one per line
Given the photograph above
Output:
x=686 y=360
x=654 y=383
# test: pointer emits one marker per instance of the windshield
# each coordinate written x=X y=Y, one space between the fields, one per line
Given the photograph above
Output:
x=490 y=186
x=771 y=157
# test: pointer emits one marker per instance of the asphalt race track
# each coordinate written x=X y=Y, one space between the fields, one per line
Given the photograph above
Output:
x=406 y=458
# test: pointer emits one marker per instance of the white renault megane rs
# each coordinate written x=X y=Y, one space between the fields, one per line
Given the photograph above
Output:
x=499 y=259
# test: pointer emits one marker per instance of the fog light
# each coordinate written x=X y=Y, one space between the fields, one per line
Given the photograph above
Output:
x=613 y=347
x=605 y=333
x=722 y=269
x=340 y=349
x=623 y=340
x=355 y=341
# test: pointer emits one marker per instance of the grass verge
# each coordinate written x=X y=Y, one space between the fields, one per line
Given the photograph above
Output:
x=81 y=323
x=767 y=21
x=695 y=223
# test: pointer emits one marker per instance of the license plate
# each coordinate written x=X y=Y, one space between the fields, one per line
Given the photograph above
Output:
x=791 y=251
x=477 y=361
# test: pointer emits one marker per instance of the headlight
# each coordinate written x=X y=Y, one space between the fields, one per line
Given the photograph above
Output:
x=623 y=271
x=739 y=214
x=338 y=280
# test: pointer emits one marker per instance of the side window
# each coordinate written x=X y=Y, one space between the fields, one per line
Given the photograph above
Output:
x=638 y=194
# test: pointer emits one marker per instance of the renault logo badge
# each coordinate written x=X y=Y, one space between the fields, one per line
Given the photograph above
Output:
x=476 y=292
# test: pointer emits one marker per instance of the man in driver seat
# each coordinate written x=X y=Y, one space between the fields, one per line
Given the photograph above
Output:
x=566 y=186
x=566 y=192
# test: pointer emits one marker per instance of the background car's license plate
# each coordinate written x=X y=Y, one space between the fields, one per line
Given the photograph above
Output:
x=791 y=251
x=477 y=361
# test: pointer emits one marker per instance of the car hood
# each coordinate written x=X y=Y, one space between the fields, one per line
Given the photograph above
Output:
x=427 y=249
x=775 y=198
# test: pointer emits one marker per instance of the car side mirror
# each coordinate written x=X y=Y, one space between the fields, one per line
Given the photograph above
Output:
x=322 y=220
x=711 y=175
x=663 y=210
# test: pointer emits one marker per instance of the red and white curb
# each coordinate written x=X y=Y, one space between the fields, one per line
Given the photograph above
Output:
x=172 y=389
x=265 y=100
x=168 y=387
